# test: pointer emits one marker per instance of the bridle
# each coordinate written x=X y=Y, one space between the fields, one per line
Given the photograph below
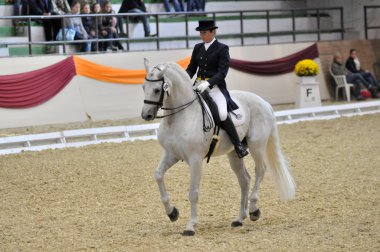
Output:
x=160 y=102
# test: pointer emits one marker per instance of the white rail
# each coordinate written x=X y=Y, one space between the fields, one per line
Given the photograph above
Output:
x=117 y=134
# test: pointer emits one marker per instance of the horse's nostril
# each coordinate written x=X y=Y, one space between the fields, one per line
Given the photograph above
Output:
x=148 y=117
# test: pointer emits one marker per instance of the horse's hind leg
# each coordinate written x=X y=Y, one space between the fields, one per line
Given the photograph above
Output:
x=237 y=165
x=166 y=162
x=260 y=168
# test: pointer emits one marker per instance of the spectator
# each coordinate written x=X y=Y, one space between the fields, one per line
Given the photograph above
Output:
x=135 y=6
x=353 y=65
x=176 y=4
x=89 y=24
x=20 y=7
x=77 y=25
x=196 y=5
x=44 y=8
x=96 y=9
x=109 y=25
x=60 y=7
x=359 y=82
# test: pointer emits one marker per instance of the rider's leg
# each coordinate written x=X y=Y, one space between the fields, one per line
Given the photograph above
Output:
x=229 y=127
x=226 y=121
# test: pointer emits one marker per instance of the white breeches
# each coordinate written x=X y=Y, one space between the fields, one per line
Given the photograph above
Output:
x=218 y=97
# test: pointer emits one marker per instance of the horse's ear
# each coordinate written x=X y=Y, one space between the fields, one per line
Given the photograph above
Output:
x=146 y=63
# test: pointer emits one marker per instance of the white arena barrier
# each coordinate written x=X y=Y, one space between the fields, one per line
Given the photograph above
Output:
x=117 y=134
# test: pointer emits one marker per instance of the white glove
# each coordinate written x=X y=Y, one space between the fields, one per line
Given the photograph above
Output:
x=203 y=86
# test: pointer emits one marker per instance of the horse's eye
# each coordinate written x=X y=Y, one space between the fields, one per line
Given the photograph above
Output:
x=157 y=90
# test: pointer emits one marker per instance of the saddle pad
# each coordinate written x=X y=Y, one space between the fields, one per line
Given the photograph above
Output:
x=238 y=115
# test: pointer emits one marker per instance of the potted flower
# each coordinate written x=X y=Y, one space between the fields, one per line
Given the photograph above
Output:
x=307 y=69
x=308 y=90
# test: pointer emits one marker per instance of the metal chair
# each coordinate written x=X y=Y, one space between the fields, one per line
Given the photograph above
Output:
x=341 y=83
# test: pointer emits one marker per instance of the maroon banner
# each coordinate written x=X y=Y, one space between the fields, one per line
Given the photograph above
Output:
x=29 y=89
x=277 y=66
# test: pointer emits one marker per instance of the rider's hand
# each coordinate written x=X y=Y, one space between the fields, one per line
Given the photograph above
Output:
x=203 y=86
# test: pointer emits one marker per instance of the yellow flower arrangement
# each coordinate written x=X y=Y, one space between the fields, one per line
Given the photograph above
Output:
x=306 y=67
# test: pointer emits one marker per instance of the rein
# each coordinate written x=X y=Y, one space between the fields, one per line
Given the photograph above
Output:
x=182 y=107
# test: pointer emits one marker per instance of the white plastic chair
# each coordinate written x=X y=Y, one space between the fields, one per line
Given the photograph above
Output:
x=341 y=82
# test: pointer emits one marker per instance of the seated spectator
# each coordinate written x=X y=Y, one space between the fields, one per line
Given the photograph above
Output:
x=96 y=9
x=60 y=7
x=134 y=6
x=77 y=25
x=109 y=25
x=176 y=5
x=196 y=5
x=353 y=65
x=89 y=24
x=359 y=82
x=20 y=7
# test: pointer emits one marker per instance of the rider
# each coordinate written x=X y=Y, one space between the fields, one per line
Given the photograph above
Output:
x=212 y=59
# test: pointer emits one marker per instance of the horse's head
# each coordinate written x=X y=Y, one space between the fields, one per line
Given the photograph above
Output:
x=155 y=87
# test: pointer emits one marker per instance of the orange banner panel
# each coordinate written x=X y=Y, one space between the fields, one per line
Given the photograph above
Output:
x=114 y=75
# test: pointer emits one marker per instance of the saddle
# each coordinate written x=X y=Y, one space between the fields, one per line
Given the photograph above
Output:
x=237 y=116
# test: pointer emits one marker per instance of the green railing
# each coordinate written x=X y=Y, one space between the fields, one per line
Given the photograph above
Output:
x=186 y=17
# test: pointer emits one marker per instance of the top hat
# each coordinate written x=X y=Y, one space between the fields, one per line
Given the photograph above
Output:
x=205 y=25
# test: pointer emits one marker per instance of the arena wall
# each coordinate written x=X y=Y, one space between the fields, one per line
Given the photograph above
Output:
x=88 y=99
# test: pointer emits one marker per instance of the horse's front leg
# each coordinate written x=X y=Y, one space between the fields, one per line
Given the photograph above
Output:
x=195 y=178
x=166 y=162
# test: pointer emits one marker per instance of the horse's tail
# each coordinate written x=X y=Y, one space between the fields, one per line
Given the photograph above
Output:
x=278 y=166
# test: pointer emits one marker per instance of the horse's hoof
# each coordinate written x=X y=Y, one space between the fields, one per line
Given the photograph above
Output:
x=236 y=224
x=188 y=233
x=173 y=216
x=254 y=216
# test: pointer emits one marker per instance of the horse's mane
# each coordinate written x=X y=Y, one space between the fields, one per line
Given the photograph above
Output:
x=176 y=71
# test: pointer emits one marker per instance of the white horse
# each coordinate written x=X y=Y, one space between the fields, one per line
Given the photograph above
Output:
x=182 y=137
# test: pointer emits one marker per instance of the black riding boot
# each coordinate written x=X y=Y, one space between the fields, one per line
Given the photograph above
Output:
x=229 y=127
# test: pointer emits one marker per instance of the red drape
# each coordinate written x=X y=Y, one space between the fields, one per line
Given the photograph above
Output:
x=277 y=66
x=29 y=89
